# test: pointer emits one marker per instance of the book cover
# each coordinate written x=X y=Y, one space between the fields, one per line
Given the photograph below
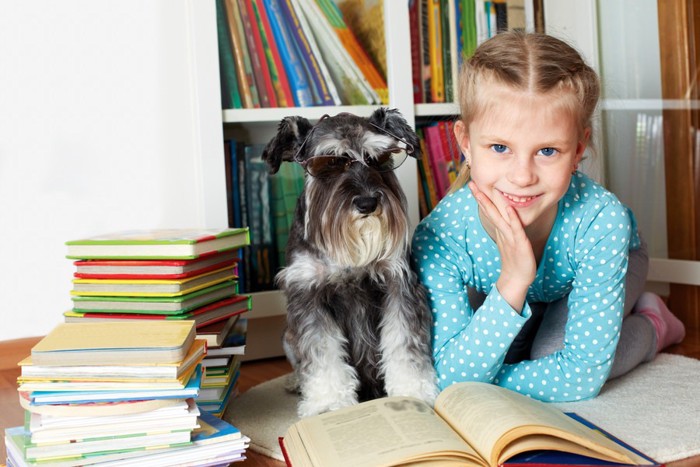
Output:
x=105 y=343
x=230 y=94
x=357 y=52
x=96 y=409
x=157 y=305
x=170 y=370
x=298 y=81
x=261 y=70
x=191 y=389
x=158 y=243
x=247 y=85
x=154 y=269
x=278 y=74
x=202 y=316
x=215 y=333
x=353 y=87
x=319 y=87
x=150 y=287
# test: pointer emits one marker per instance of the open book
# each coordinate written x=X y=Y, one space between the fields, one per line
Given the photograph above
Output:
x=473 y=423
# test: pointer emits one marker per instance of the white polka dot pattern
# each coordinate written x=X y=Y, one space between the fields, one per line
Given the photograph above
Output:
x=585 y=257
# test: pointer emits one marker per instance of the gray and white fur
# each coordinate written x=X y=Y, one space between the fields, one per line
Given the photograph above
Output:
x=358 y=323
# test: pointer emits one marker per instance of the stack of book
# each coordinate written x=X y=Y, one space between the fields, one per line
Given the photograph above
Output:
x=169 y=275
x=118 y=393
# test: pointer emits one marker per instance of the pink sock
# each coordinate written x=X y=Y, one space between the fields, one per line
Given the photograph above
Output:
x=669 y=329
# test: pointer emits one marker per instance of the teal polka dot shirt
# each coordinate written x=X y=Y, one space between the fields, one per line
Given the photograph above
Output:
x=585 y=258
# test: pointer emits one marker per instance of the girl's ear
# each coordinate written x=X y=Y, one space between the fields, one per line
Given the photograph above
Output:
x=462 y=137
x=581 y=147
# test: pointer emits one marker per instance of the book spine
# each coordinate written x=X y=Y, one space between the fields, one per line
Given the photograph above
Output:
x=415 y=32
x=230 y=94
x=432 y=195
x=437 y=83
x=449 y=50
x=356 y=51
x=303 y=14
x=298 y=80
x=246 y=81
x=352 y=86
x=311 y=64
x=280 y=81
x=261 y=73
x=425 y=52
x=437 y=160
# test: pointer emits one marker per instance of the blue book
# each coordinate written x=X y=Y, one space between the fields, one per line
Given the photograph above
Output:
x=213 y=430
x=319 y=86
x=293 y=65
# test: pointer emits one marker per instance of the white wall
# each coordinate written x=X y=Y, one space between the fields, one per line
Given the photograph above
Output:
x=109 y=120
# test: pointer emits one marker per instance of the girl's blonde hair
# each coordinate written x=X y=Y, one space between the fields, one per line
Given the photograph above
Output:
x=531 y=62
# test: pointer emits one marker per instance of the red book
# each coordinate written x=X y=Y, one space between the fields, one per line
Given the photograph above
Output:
x=285 y=98
x=154 y=269
x=257 y=55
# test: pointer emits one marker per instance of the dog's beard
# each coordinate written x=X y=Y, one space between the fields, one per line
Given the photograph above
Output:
x=352 y=239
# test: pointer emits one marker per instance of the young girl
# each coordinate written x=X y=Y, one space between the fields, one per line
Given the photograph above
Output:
x=526 y=266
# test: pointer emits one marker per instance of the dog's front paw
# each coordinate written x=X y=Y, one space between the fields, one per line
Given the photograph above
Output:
x=328 y=402
x=423 y=387
x=291 y=383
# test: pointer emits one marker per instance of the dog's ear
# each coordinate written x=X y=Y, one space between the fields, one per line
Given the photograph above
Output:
x=393 y=122
x=291 y=133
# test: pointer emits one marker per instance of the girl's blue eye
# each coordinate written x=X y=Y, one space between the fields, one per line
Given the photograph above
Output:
x=499 y=148
x=547 y=152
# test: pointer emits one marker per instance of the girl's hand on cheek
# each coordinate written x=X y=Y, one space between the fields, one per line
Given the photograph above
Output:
x=518 y=265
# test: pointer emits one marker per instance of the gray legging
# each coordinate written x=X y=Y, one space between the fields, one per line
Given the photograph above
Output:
x=543 y=333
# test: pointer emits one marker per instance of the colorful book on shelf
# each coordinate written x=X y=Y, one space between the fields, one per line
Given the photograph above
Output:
x=246 y=80
x=124 y=370
x=468 y=28
x=202 y=316
x=113 y=343
x=261 y=71
x=151 y=287
x=449 y=47
x=230 y=94
x=154 y=269
x=435 y=45
x=221 y=375
x=352 y=86
x=435 y=154
x=375 y=78
x=293 y=65
x=155 y=305
x=278 y=74
x=158 y=243
x=53 y=397
x=312 y=65
x=426 y=72
x=426 y=171
x=415 y=31
x=262 y=254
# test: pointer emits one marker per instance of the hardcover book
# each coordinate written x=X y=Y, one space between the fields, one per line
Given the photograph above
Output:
x=158 y=244
x=164 y=305
x=150 y=287
x=154 y=269
x=115 y=342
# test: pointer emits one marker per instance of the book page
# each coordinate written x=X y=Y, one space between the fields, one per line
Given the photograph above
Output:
x=388 y=431
x=492 y=419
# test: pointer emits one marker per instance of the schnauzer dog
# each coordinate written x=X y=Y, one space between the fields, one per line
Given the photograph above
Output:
x=358 y=323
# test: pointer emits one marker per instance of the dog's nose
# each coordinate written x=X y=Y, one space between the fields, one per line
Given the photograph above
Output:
x=365 y=204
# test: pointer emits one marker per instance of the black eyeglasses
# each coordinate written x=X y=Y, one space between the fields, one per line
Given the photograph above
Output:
x=326 y=165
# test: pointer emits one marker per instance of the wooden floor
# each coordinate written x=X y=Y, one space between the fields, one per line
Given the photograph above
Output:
x=252 y=373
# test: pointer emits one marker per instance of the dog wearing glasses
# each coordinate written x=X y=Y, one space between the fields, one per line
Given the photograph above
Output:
x=358 y=323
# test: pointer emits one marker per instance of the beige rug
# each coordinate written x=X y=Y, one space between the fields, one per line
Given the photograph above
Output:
x=655 y=408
